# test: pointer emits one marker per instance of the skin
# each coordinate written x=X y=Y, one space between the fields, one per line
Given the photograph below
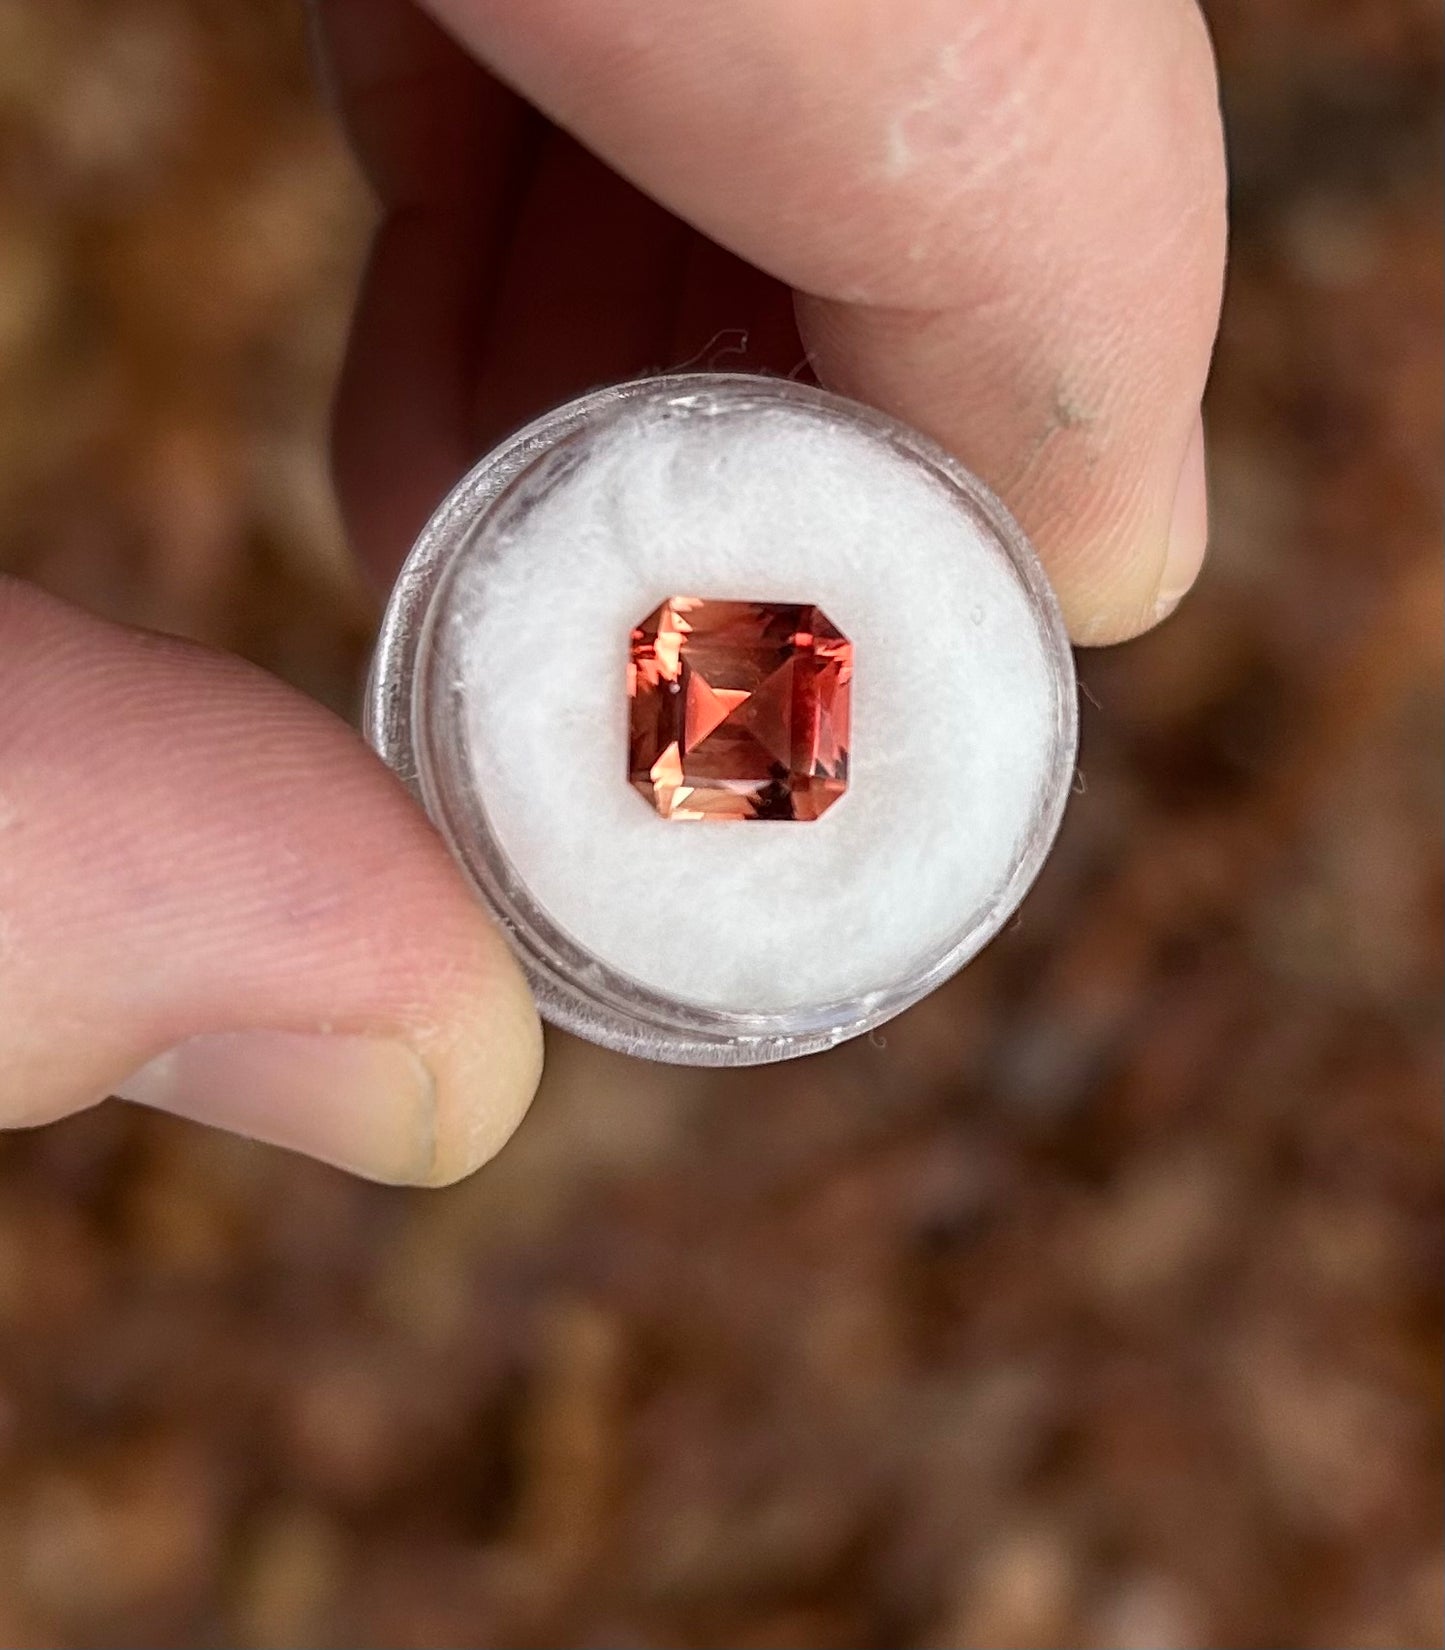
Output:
x=1002 y=220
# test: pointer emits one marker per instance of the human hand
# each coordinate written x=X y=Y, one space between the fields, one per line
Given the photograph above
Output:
x=1001 y=220
x=1004 y=223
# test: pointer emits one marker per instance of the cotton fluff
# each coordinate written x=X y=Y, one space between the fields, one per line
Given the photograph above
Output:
x=954 y=704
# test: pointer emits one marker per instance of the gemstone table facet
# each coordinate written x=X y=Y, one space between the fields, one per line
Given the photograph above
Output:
x=739 y=710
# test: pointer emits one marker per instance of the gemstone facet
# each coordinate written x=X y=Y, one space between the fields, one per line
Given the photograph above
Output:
x=739 y=710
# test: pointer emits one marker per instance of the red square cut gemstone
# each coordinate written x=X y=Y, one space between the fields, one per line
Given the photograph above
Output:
x=739 y=710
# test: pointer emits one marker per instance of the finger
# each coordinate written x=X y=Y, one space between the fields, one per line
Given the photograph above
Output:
x=586 y=291
x=600 y=284
x=1007 y=220
x=426 y=122
x=512 y=270
x=401 y=424
x=214 y=899
x=447 y=151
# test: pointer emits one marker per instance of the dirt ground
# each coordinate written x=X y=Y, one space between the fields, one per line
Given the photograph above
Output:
x=1096 y=1303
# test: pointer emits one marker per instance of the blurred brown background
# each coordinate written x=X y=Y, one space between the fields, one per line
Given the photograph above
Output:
x=1097 y=1303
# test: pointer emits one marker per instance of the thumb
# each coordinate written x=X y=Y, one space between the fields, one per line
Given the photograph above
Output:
x=1004 y=223
x=215 y=900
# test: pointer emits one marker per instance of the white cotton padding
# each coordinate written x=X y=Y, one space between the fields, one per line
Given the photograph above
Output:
x=955 y=702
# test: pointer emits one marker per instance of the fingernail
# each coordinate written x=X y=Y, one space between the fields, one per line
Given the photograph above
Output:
x=361 y=1103
x=1188 y=529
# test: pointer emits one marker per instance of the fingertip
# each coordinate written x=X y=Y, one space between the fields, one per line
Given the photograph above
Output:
x=419 y=1104
x=245 y=911
x=1188 y=529
x=485 y=1056
x=1127 y=589
x=361 y=1103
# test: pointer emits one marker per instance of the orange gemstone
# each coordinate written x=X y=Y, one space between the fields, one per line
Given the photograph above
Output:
x=739 y=710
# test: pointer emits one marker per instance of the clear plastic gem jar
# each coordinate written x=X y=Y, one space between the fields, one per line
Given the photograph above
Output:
x=499 y=694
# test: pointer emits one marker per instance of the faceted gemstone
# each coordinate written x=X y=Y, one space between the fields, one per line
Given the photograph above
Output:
x=739 y=710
